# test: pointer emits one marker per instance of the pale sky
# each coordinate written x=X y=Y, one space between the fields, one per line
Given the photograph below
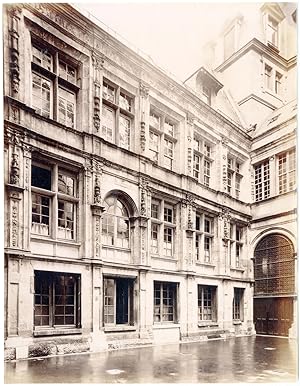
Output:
x=171 y=33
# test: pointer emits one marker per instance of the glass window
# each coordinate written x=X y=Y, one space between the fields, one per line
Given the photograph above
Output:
x=115 y=223
x=66 y=107
x=165 y=307
x=108 y=92
x=50 y=94
x=124 y=132
x=41 y=95
x=268 y=77
x=108 y=123
x=278 y=78
x=287 y=171
x=237 y=304
x=154 y=145
x=272 y=31
x=41 y=202
x=67 y=72
x=42 y=57
x=262 y=181
x=125 y=102
x=207 y=303
x=118 y=301
x=56 y=299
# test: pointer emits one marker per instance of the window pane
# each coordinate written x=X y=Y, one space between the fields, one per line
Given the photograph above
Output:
x=124 y=132
x=108 y=123
x=66 y=109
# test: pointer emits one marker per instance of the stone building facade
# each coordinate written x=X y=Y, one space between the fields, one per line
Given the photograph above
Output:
x=130 y=212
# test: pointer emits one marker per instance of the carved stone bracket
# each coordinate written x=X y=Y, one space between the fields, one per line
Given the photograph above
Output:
x=144 y=90
x=97 y=209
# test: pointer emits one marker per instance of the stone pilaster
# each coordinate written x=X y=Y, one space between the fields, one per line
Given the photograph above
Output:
x=14 y=19
x=98 y=65
x=144 y=95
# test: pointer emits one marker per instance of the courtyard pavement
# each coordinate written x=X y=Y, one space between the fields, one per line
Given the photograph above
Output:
x=246 y=359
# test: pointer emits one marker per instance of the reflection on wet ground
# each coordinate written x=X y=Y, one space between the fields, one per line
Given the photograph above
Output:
x=246 y=359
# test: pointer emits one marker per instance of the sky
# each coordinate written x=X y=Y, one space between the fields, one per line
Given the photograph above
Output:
x=172 y=33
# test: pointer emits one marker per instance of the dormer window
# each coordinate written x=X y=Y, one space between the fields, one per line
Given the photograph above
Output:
x=272 y=31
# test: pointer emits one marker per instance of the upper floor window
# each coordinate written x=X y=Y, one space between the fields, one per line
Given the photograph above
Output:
x=262 y=181
x=204 y=233
x=117 y=115
x=202 y=161
x=54 y=201
x=54 y=85
x=162 y=228
x=162 y=137
x=272 y=30
x=115 y=223
x=286 y=171
x=273 y=80
x=234 y=176
x=236 y=245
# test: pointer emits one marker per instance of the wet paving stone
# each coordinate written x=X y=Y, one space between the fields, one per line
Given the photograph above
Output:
x=245 y=359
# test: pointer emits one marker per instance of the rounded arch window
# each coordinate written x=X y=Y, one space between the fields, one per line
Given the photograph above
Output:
x=115 y=223
x=274 y=266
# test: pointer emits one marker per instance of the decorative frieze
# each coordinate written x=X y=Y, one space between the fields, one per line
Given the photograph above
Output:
x=63 y=22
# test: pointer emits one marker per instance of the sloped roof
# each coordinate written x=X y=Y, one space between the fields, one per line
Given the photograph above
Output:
x=277 y=118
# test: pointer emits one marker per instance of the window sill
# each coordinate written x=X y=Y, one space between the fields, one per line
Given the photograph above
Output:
x=163 y=258
x=236 y=322
x=119 y=328
x=206 y=264
x=113 y=247
x=58 y=241
x=207 y=324
x=237 y=269
x=57 y=331
x=165 y=325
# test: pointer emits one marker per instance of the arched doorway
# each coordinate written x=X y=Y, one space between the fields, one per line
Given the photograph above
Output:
x=274 y=275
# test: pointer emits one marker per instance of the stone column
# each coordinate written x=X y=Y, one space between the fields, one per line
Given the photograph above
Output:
x=224 y=232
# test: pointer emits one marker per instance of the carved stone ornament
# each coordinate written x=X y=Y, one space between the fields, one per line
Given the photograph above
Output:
x=98 y=61
x=144 y=90
x=143 y=136
x=14 y=13
x=224 y=141
x=96 y=117
x=190 y=119
x=14 y=177
x=226 y=217
x=97 y=191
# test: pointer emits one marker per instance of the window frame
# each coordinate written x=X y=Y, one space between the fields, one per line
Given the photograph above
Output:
x=159 y=125
x=238 y=304
x=115 y=105
x=203 y=303
x=234 y=176
x=202 y=159
x=54 y=198
x=117 y=283
x=50 y=277
x=56 y=80
x=204 y=237
x=160 y=303
x=262 y=181
x=290 y=170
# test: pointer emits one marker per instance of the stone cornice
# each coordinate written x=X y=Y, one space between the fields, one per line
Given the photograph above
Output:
x=262 y=49
x=80 y=31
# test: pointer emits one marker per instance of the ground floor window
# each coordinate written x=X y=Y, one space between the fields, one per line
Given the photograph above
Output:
x=56 y=299
x=118 y=301
x=207 y=305
x=165 y=302
x=237 y=304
